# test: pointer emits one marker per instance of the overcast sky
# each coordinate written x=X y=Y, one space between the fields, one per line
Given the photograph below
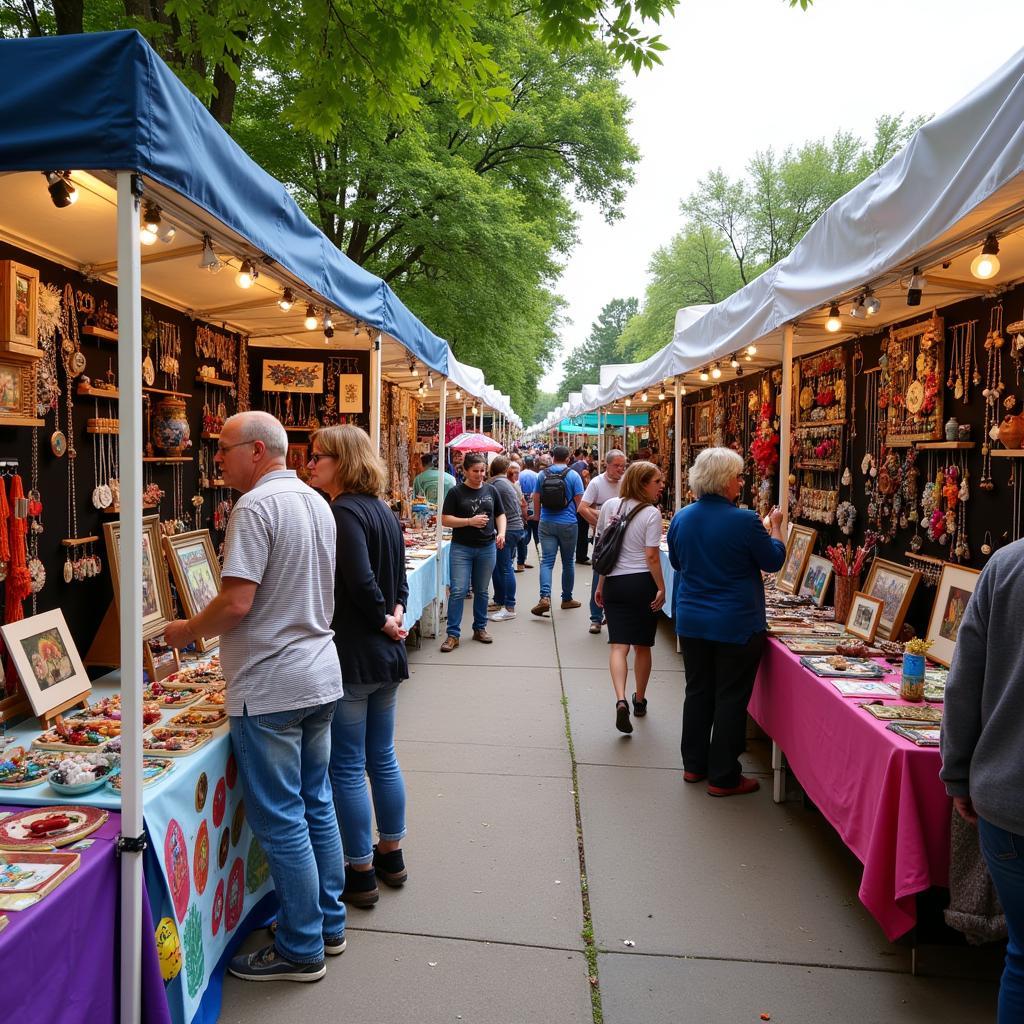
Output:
x=741 y=75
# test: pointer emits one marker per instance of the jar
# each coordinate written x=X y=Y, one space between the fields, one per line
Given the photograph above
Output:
x=952 y=429
x=912 y=678
x=169 y=425
x=964 y=432
x=846 y=587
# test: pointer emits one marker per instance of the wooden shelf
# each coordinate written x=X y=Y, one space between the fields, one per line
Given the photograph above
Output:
x=98 y=332
x=304 y=430
x=168 y=458
x=1007 y=453
x=819 y=466
x=163 y=391
x=207 y=436
x=21 y=421
x=90 y=429
x=932 y=446
x=115 y=510
x=214 y=484
x=77 y=542
x=87 y=389
x=214 y=382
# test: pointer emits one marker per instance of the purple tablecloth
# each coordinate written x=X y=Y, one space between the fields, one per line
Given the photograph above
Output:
x=61 y=956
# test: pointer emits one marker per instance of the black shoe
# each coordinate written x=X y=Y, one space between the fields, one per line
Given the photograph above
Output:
x=360 y=888
x=267 y=964
x=639 y=707
x=622 y=722
x=390 y=867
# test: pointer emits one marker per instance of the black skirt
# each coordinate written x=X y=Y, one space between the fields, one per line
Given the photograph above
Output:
x=627 y=607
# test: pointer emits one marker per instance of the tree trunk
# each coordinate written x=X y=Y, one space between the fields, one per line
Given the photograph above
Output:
x=222 y=106
x=138 y=9
x=69 y=14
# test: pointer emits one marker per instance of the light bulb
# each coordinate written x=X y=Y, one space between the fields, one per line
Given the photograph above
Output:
x=704 y=374
x=748 y=358
x=734 y=362
x=661 y=395
x=415 y=370
x=147 y=237
x=151 y=218
x=458 y=394
x=629 y=402
x=872 y=304
x=246 y=275
x=643 y=397
x=833 y=323
x=311 y=320
x=751 y=350
x=682 y=390
x=986 y=263
x=328 y=319
x=287 y=300
x=716 y=371
x=209 y=260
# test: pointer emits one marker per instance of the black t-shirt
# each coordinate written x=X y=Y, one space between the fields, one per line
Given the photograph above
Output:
x=466 y=502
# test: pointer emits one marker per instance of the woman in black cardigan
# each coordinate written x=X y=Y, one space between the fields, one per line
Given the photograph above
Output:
x=370 y=593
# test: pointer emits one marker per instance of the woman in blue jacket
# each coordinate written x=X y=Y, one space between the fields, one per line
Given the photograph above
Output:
x=719 y=552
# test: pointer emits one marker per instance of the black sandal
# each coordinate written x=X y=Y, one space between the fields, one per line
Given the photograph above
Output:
x=622 y=722
x=639 y=707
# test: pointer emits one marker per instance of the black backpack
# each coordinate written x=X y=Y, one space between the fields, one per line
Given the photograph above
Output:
x=607 y=547
x=554 y=491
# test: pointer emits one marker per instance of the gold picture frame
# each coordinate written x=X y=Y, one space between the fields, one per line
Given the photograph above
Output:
x=703 y=422
x=196 y=571
x=157 y=605
x=799 y=548
x=862 y=621
x=296 y=377
x=953 y=591
x=19 y=308
x=816 y=578
x=350 y=393
x=894 y=584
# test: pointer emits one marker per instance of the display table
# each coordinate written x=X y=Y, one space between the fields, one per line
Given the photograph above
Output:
x=62 y=954
x=422 y=583
x=669 y=575
x=881 y=793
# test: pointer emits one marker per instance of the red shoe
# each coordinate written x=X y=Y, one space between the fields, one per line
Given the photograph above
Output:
x=747 y=785
x=693 y=777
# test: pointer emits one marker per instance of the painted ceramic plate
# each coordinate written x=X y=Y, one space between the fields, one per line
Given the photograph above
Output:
x=175 y=742
x=69 y=824
x=198 y=718
x=153 y=768
x=19 y=770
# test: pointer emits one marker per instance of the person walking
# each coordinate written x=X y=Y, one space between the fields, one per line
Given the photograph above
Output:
x=582 y=467
x=523 y=545
x=504 y=604
x=531 y=525
x=719 y=552
x=601 y=488
x=370 y=594
x=273 y=616
x=474 y=512
x=632 y=594
x=558 y=494
x=983 y=747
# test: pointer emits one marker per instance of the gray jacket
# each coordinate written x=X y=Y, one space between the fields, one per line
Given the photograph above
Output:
x=983 y=720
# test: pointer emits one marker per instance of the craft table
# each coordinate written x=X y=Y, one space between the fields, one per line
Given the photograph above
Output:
x=881 y=793
x=61 y=955
x=422 y=583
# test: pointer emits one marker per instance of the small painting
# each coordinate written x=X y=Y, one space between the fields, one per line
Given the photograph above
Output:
x=816 y=579
x=798 y=552
x=350 y=393
x=196 y=573
x=297 y=460
x=10 y=388
x=286 y=375
x=952 y=595
x=19 y=306
x=952 y=616
x=157 y=608
x=862 y=620
x=49 y=658
x=702 y=417
x=894 y=585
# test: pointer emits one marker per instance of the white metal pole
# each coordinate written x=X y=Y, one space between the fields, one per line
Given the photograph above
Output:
x=375 y=388
x=463 y=417
x=677 y=444
x=129 y=369
x=625 y=428
x=784 y=425
x=442 y=458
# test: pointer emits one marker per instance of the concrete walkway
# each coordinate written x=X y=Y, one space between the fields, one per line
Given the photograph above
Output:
x=702 y=911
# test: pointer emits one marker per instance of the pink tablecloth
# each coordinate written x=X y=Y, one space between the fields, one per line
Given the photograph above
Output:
x=880 y=792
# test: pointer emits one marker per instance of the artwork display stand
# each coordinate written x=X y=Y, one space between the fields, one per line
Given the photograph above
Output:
x=55 y=716
x=105 y=650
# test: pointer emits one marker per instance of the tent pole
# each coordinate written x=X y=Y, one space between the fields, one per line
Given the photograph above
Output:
x=375 y=387
x=129 y=370
x=625 y=430
x=784 y=423
x=442 y=457
x=463 y=417
x=677 y=444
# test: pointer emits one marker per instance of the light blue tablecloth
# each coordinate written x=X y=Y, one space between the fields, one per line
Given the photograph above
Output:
x=423 y=584
x=670 y=579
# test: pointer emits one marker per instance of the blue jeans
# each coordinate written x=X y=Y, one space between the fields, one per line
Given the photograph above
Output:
x=467 y=564
x=363 y=743
x=282 y=761
x=555 y=538
x=1004 y=854
x=596 y=614
x=523 y=544
x=504 y=575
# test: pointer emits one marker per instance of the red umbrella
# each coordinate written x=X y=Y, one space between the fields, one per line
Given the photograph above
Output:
x=470 y=442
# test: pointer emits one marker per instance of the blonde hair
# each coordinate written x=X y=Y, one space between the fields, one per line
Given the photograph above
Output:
x=637 y=476
x=360 y=469
x=713 y=469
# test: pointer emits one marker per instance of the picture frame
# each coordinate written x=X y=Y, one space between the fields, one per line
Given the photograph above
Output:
x=47 y=661
x=816 y=579
x=157 y=605
x=703 y=418
x=894 y=584
x=297 y=459
x=19 y=307
x=862 y=621
x=196 y=571
x=350 y=393
x=17 y=387
x=296 y=377
x=953 y=591
x=799 y=547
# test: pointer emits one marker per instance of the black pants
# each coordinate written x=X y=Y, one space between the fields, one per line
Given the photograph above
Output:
x=719 y=681
x=582 y=538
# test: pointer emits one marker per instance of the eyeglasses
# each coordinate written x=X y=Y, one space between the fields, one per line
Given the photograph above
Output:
x=224 y=448
x=317 y=456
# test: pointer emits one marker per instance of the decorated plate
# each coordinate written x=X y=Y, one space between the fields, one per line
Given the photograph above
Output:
x=174 y=742
x=208 y=674
x=40 y=828
x=153 y=768
x=199 y=718
x=171 y=698
x=215 y=700
x=915 y=397
x=86 y=735
x=21 y=769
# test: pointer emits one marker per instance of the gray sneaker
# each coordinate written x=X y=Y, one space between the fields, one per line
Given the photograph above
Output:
x=267 y=965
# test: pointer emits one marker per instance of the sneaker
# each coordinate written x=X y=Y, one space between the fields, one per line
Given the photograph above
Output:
x=360 y=888
x=267 y=965
x=502 y=616
x=745 y=785
x=334 y=945
x=542 y=607
x=571 y=604
x=622 y=722
x=595 y=627
x=450 y=643
x=390 y=867
x=639 y=707
x=482 y=636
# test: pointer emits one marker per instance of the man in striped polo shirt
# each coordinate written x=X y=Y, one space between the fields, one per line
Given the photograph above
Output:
x=273 y=616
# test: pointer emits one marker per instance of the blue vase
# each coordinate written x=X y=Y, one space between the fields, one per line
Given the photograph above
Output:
x=912 y=680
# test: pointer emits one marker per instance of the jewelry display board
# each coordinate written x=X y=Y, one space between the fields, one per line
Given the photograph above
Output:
x=912 y=382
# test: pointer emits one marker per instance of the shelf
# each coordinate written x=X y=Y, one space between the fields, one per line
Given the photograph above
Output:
x=168 y=458
x=907 y=442
x=304 y=430
x=207 y=436
x=77 y=542
x=163 y=391
x=1007 y=453
x=947 y=446
x=115 y=510
x=98 y=332
x=91 y=429
x=21 y=421
x=214 y=382
x=214 y=484
x=819 y=466
x=110 y=393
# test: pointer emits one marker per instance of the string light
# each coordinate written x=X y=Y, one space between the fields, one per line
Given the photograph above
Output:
x=458 y=394
x=915 y=288
x=311 y=321
x=328 y=319
x=872 y=304
x=716 y=371
x=287 y=300
x=150 y=224
x=62 y=190
x=661 y=394
x=751 y=350
x=209 y=259
x=833 y=323
x=734 y=361
x=247 y=274
x=986 y=263
x=643 y=397
x=704 y=375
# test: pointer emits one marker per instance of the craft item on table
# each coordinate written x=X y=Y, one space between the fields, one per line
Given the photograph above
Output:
x=955 y=586
x=20 y=769
x=197 y=718
x=110 y=707
x=153 y=768
x=212 y=699
x=903 y=713
x=935 y=685
x=80 y=773
x=862 y=619
x=207 y=674
x=841 y=667
x=171 y=698
x=894 y=584
x=865 y=687
x=807 y=645
x=175 y=742
x=27 y=877
x=90 y=734
x=854 y=648
x=817 y=576
x=912 y=669
x=43 y=828
x=923 y=735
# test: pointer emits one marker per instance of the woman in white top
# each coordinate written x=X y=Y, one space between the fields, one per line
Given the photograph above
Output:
x=634 y=591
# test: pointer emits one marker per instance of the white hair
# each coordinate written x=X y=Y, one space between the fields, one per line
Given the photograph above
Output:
x=261 y=426
x=713 y=469
x=613 y=454
x=513 y=465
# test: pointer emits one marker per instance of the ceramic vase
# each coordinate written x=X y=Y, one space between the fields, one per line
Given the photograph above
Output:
x=952 y=429
x=1011 y=431
x=170 y=430
x=912 y=678
x=846 y=587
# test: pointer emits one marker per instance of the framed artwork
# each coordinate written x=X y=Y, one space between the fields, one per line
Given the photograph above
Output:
x=350 y=393
x=48 y=664
x=17 y=387
x=19 y=306
x=28 y=876
x=817 y=577
x=865 y=611
x=196 y=571
x=798 y=552
x=297 y=459
x=849 y=668
x=956 y=584
x=895 y=585
x=287 y=375
x=703 y=417
x=157 y=606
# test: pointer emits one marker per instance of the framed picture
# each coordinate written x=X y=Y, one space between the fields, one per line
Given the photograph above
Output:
x=865 y=611
x=19 y=306
x=287 y=375
x=350 y=392
x=798 y=552
x=817 y=577
x=51 y=672
x=196 y=571
x=157 y=606
x=17 y=387
x=895 y=585
x=297 y=459
x=956 y=584
x=703 y=414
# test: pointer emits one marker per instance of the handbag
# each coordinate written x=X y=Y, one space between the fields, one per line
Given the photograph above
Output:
x=608 y=546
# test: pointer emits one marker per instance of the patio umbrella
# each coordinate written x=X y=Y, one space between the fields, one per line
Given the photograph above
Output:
x=470 y=442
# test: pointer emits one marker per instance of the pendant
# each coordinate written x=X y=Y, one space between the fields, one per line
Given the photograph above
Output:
x=38 y=573
x=76 y=364
x=58 y=443
x=69 y=570
x=148 y=371
x=958 y=390
x=106 y=499
x=96 y=503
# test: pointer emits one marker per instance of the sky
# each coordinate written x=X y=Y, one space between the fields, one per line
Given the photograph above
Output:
x=742 y=75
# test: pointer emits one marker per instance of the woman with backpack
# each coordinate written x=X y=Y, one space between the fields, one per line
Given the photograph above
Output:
x=631 y=589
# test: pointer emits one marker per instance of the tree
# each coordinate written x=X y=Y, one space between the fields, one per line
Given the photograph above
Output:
x=545 y=402
x=583 y=364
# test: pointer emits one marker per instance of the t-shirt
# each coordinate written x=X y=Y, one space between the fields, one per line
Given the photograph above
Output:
x=425 y=484
x=573 y=486
x=580 y=466
x=528 y=484
x=644 y=531
x=464 y=502
x=281 y=656
x=598 y=491
x=508 y=493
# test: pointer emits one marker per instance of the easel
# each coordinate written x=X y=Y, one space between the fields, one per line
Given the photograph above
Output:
x=105 y=650
x=55 y=716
